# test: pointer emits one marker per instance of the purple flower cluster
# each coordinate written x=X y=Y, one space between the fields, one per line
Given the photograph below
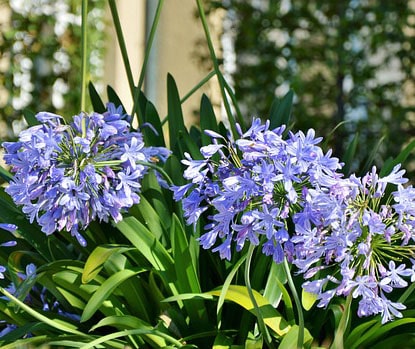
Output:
x=353 y=238
x=67 y=175
x=253 y=194
x=346 y=236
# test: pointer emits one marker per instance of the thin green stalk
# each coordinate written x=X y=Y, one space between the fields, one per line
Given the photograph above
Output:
x=198 y=86
x=216 y=67
x=139 y=162
x=261 y=324
x=121 y=42
x=84 y=60
x=338 y=342
x=300 y=339
x=149 y=45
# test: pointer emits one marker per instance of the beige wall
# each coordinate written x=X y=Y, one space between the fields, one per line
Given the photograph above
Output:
x=173 y=52
x=132 y=18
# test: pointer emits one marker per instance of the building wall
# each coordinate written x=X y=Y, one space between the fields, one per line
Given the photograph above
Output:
x=174 y=51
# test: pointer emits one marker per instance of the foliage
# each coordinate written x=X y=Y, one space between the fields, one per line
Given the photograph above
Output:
x=144 y=281
x=38 y=46
x=347 y=61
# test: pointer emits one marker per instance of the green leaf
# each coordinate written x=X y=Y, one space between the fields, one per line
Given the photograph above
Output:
x=308 y=299
x=131 y=322
x=145 y=241
x=358 y=331
x=272 y=318
x=207 y=119
x=105 y=290
x=152 y=117
x=125 y=333
x=350 y=153
x=272 y=291
x=174 y=112
x=97 y=258
x=403 y=155
x=372 y=155
x=113 y=97
x=373 y=335
x=222 y=342
x=184 y=264
x=56 y=323
x=6 y=175
x=30 y=117
x=290 y=339
x=280 y=112
x=187 y=280
x=96 y=100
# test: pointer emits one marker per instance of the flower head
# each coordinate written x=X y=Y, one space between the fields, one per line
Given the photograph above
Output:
x=363 y=237
x=251 y=185
x=67 y=175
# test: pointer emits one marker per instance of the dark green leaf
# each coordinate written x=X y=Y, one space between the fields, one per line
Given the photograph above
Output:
x=207 y=119
x=30 y=117
x=96 y=100
x=280 y=112
x=113 y=97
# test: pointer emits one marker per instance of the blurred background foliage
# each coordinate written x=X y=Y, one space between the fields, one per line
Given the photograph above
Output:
x=348 y=61
x=40 y=57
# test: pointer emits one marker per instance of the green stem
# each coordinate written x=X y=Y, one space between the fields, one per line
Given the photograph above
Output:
x=84 y=60
x=121 y=42
x=216 y=68
x=261 y=324
x=149 y=45
x=300 y=338
x=341 y=328
x=139 y=162
x=198 y=86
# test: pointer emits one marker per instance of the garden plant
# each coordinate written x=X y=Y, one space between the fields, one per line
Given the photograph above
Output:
x=234 y=234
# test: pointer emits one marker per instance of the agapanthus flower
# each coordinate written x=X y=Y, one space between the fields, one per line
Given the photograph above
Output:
x=250 y=186
x=67 y=175
x=357 y=239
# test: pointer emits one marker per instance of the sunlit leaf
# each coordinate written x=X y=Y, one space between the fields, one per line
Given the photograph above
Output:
x=97 y=258
x=272 y=318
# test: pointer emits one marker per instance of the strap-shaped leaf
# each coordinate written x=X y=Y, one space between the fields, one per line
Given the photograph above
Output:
x=272 y=318
x=280 y=112
x=174 y=112
x=97 y=258
x=30 y=117
x=105 y=290
x=96 y=100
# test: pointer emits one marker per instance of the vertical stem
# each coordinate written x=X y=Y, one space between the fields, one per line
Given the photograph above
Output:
x=84 y=59
x=257 y=311
x=121 y=43
x=300 y=338
x=216 y=68
x=341 y=328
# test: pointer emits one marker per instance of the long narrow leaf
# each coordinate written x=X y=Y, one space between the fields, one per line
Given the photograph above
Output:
x=280 y=112
x=272 y=318
x=97 y=258
x=131 y=322
x=54 y=323
x=103 y=292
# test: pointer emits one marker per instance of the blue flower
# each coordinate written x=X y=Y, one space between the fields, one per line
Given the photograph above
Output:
x=67 y=175
x=251 y=185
